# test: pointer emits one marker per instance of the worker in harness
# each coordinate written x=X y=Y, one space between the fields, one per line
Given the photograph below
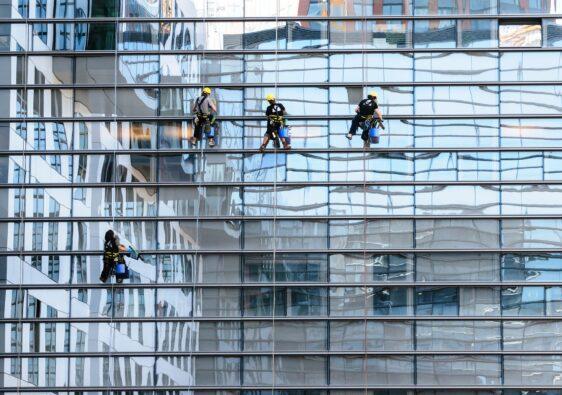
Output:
x=276 y=125
x=366 y=109
x=113 y=252
x=205 y=110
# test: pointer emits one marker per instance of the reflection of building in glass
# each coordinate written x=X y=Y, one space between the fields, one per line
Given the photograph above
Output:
x=430 y=264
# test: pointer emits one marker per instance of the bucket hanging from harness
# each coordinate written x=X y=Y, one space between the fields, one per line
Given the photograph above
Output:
x=285 y=134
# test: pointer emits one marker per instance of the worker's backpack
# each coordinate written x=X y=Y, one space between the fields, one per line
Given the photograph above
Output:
x=367 y=107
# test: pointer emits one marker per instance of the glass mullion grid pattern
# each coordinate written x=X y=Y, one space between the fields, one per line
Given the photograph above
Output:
x=477 y=211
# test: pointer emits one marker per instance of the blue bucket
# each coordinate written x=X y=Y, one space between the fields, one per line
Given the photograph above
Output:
x=374 y=135
x=211 y=133
x=120 y=269
x=284 y=134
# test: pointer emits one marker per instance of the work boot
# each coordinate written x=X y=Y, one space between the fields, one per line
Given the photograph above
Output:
x=366 y=144
x=262 y=147
x=211 y=142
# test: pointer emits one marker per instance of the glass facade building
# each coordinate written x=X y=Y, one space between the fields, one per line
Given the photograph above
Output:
x=428 y=264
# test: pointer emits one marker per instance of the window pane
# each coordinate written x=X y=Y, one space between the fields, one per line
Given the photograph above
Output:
x=532 y=370
x=220 y=35
x=477 y=33
x=94 y=102
x=94 y=36
x=309 y=201
x=437 y=301
x=435 y=34
x=347 y=35
x=258 y=336
x=457 y=100
x=530 y=66
x=531 y=199
x=300 y=370
x=177 y=36
x=389 y=34
x=355 y=234
x=457 y=336
x=457 y=267
x=288 y=68
x=217 y=371
x=138 y=36
x=530 y=99
x=138 y=69
x=425 y=7
x=384 y=67
x=300 y=335
x=451 y=233
x=553 y=32
x=523 y=301
x=137 y=102
x=532 y=335
x=96 y=8
x=457 y=200
x=519 y=35
x=458 y=370
x=95 y=70
x=523 y=7
x=217 y=302
x=456 y=66
x=531 y=233
x=305 y=34
x=543 y=267
x=530 y=133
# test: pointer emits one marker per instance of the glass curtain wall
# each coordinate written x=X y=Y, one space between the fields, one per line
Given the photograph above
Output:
x=430 y=263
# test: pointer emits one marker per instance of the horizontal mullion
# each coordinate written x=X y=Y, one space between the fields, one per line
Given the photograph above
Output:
x=275 y=184
x=277 y=387
x=307 y=51
x=280 y=18
x=331 y=150
x=288 y=117
x=249 y=218
x=281 y=284
x=381 y=251
x=282 y=84
x=263 y=353
x=114 y=320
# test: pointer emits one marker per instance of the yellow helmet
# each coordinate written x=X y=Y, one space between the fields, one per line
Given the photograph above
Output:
x=372 y=94
x=270 y=97
x=206 y=90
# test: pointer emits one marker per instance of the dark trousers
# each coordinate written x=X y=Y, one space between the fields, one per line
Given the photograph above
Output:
x=357 y=119
x=204 y=124
x=272 y=130
x=107 y=270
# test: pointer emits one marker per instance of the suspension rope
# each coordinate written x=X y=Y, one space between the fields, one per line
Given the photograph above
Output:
x=274 y=255
x=112 y=329
x=21 y=233
x=365 y=202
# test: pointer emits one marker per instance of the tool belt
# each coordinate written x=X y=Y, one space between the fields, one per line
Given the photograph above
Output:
x=111 y=257
x=276 y=119
x=368 y=121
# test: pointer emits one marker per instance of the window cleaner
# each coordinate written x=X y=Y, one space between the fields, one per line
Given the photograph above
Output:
x=364 y=118
x=113 y=261
x=277 y=128
x=205 y=110
x=114 y=258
